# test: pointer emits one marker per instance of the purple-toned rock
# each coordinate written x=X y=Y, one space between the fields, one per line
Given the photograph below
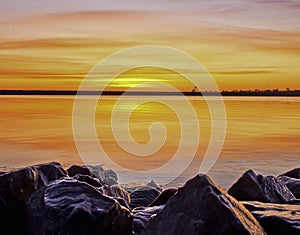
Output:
x=88 y=179
x=143 y=196
x=71 y=207
x=141 y=216
x=164 y=197
x=295 y=173
x=293 y=184
x=78 y=170
x=49 y=172
x=116 y=192
x=201 y=207
x=15 y=189
x=276 y=218
x=252 y=187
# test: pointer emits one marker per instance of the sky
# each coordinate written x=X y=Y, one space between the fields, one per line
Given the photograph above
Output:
x=244 y=44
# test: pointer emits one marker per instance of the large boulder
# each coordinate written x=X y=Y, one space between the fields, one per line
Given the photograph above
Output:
x=141 y=216
x=68 y=206
x=293 y=184
x=253 y=187
x=15 y=189
x=78 y=170
x=143 y=196
x=295 y=173
x=201 y=207
x=276 y=218
x=164 y=197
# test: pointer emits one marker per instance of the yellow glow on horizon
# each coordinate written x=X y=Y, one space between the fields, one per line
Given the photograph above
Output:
x=47 y=56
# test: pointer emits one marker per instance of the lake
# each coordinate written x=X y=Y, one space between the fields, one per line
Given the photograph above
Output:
x=263 y=134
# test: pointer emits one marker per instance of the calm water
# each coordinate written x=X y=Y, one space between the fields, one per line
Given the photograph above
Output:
x=263 y=134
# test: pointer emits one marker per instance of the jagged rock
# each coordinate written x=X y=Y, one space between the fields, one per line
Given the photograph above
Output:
x=78 y=170
x=252 y=187
x=293 y=184
x=49 y=172
x=201 y=207
x=97 y=171
x=141 y=216
x=164 y=197
x=116 y=192
x=68 y=206
x=295 y=173
x=143 y=196
x=88 y=179
x=16 y=187
x=276 y=218
x=110 y=177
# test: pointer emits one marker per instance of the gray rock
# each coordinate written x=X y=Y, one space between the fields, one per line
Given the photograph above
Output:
x=143 y=196
x=293 y=184
x=295 y=173
x=141 y=216
x=276 y=218
x=110 y=177
x=115 y=191
x=201 y=207
x=71 y=207
x=252 y=187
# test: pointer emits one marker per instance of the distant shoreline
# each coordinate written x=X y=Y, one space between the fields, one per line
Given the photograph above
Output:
x=288 y=93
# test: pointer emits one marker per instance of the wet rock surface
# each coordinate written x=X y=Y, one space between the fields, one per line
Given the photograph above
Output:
x=253 y=187
x=143 y=196
x=47 y=199
x=293 y=185
x=142 y=215
x=201 y=207
x=276 y=218
x=71 y=207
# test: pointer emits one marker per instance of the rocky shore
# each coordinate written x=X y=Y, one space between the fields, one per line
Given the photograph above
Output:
x=47 y=199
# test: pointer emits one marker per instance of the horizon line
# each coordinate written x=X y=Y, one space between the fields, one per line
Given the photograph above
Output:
x=256 y=92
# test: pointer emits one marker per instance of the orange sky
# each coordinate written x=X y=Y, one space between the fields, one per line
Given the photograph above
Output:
x=243 y=48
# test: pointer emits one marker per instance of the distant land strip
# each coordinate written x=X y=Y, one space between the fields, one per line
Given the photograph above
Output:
x=156 y=93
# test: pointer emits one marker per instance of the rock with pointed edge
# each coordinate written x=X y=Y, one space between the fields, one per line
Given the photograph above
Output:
x=201 y=207
x=253 y=187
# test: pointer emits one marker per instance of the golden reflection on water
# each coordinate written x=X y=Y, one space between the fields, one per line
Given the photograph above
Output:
x=39 y=129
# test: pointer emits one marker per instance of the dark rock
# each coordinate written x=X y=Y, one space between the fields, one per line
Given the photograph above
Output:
x=115 y=191
x=71 y=207
x=78 y=170
x=293 y=184
x=143 y=196
x=16 y=187
x=88 y=179
x=164 y=197
x=276 y=218
x=252 y=187
x=49 y=172
x=201 y=207
x=295 y=173
x=141 y=216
